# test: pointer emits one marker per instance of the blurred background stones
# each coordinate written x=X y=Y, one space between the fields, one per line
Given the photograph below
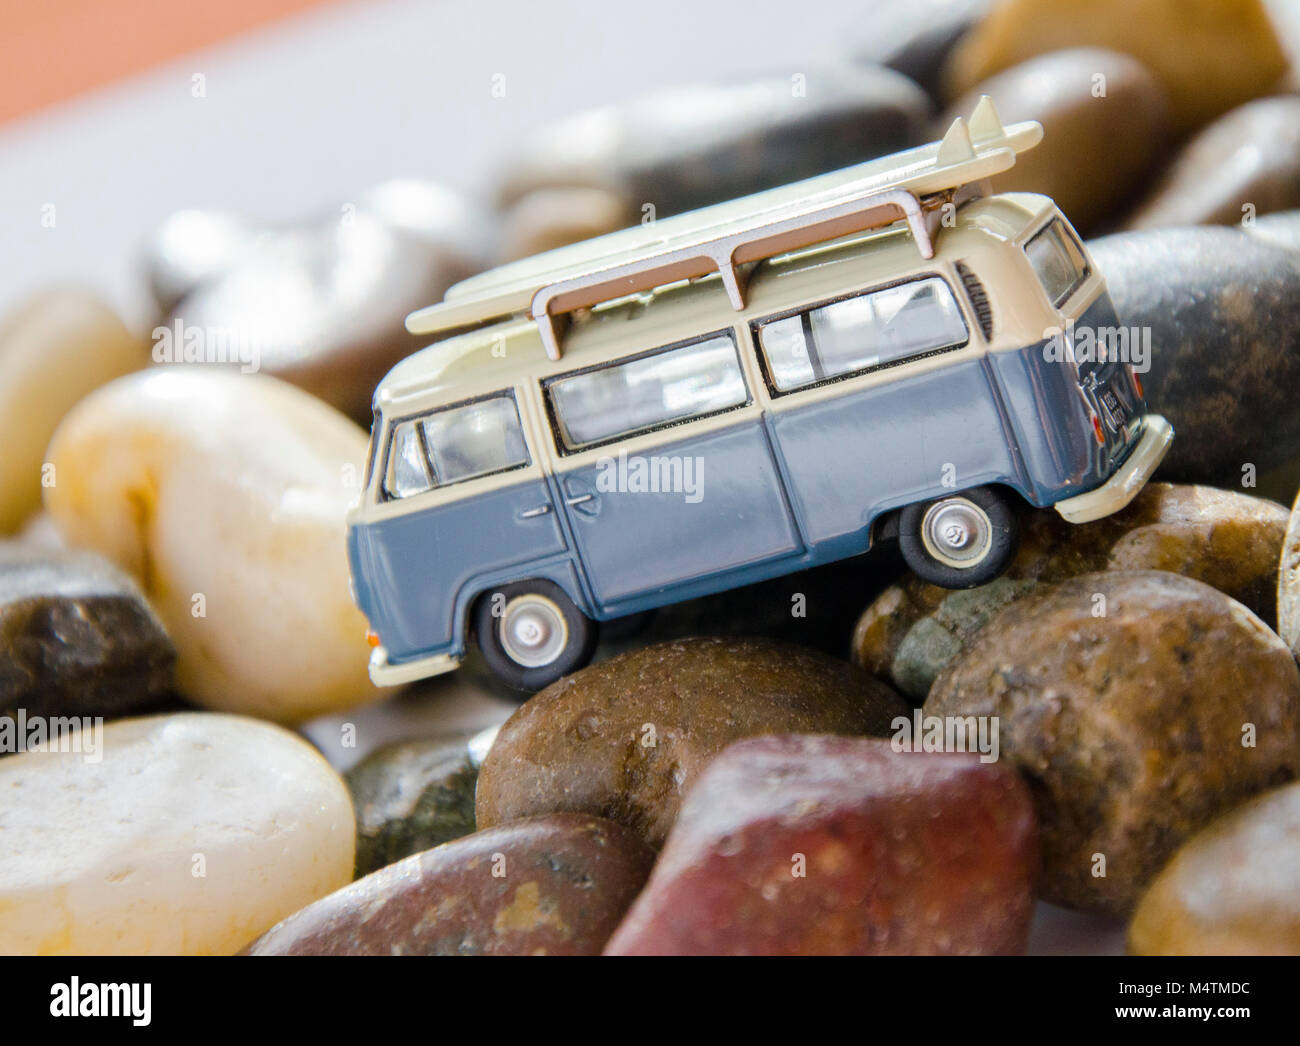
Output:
x=704 y=143
x=544 y=219
x=915 y=37
x=192 y=247
x=1087 y=99
x=1246 y=163
x=321 y=305
x=53 y=350
x=1224 y=53
x=224 y=496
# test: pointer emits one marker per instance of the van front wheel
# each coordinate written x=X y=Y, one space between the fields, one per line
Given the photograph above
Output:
x=531 y=634
x=959 y=541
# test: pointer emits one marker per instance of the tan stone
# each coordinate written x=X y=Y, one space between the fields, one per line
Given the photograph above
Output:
x=1233 y=889
x=54 y=349
x=226 y=496
x=1211 y=55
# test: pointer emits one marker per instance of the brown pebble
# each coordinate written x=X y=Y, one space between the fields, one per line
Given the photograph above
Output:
x=625 y=738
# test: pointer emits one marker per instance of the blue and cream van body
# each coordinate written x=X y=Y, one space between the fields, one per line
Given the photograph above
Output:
x=626 y=427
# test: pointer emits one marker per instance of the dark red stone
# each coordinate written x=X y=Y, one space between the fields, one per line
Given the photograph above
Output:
x=903 y=853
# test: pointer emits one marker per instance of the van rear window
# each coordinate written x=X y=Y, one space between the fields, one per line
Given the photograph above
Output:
x=876 y=329
x=671 y=385
x=1058 y=261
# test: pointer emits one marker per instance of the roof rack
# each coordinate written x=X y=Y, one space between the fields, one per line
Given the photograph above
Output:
x=911 y=186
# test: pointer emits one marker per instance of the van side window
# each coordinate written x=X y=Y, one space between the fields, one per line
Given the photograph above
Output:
x=876 y=329
x=455 y=444
x=1058 y=261
x=669 y=385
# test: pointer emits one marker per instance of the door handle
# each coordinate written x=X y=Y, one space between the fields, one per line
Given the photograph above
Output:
x=533 y=513
x=580 y=499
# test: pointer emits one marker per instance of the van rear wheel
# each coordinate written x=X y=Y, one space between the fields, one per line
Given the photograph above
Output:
x=959 y=541
x=531 y=633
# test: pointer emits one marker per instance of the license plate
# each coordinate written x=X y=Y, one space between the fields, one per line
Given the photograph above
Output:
x=1113 y=407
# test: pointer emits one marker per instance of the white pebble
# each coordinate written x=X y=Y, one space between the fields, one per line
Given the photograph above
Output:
x=184 y=834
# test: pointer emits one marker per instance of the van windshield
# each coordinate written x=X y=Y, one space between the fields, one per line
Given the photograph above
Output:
x=454 y=444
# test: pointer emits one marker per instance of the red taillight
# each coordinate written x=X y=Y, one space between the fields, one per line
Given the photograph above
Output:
x=1137 y=384
x=1097 y=430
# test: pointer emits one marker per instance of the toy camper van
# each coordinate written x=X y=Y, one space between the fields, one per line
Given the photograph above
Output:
x=739 y=392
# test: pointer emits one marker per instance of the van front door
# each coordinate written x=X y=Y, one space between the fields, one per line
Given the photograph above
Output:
x=666 y=474
x=460 y=497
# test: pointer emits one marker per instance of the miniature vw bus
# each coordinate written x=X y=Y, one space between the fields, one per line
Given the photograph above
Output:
x=736 y=393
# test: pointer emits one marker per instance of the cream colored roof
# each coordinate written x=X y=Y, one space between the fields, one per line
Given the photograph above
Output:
x=511 y=348
x=883 y=189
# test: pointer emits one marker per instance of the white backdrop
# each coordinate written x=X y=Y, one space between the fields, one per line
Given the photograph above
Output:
x=305 y=114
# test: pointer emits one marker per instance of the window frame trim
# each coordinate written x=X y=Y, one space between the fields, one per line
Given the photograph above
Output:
x=807 y=309
x=392 y=425
x=552 y=418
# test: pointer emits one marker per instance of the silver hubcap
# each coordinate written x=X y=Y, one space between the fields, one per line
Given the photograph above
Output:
x=957 y=532
x=533 y=631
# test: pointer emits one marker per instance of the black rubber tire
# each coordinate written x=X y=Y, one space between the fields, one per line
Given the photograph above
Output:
x=1005 y=540
x=583 y=633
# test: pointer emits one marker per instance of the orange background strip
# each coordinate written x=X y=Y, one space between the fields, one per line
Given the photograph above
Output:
x=52 y=50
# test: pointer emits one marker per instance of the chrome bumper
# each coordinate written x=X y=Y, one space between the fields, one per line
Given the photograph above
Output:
x=384 y=674
x=1129 y=478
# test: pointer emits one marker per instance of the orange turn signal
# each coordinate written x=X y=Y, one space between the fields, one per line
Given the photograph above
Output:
x=372 y=638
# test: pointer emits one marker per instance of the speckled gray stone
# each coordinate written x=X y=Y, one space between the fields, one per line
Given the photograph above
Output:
x=1224 y=313
x=411 y=796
